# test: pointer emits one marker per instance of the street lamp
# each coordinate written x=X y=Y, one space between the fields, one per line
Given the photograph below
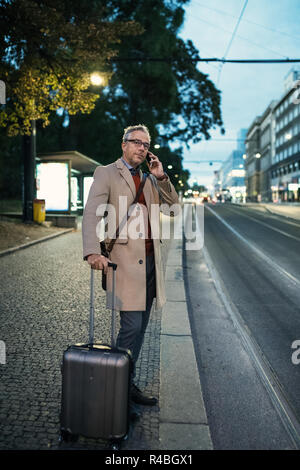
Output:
x=97 y=79
x=257 y=155
x=29 y=158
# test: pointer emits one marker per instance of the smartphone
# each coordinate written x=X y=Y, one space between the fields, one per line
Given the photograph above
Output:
x=148 y=158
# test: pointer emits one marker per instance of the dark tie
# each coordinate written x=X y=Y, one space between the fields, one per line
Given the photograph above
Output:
x=134 y=171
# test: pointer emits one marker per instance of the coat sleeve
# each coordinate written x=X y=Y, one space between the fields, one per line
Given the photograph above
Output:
x=94 y=210
x=168 y=196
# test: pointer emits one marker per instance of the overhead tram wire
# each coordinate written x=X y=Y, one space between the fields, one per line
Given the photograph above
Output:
x=222 y=12
x=205 y=59
x=237 y=35
x=231 y=41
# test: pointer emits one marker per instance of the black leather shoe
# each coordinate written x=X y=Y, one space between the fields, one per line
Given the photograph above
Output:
x=138 y=397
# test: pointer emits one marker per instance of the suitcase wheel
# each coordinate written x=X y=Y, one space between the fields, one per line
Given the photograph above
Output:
x=114 y=445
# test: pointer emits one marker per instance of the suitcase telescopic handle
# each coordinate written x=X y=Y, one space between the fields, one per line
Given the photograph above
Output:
x=112 y=265
x=113 y=316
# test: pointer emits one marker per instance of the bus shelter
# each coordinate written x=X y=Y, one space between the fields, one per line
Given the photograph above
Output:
x=63 y=180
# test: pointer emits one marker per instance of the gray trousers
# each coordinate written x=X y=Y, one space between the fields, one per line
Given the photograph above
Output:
x=133 y=324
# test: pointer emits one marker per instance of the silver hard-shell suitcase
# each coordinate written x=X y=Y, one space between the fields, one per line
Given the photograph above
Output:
x=95 y=385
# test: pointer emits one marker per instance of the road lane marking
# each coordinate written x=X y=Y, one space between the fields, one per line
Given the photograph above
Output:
x=272 y=385
x=268 y=226
x=272 y=215
x=272 y=263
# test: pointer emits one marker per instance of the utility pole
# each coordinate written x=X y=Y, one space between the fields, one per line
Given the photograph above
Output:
x=29 y=184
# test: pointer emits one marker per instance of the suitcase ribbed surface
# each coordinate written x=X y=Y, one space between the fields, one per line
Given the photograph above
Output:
x=95 y=385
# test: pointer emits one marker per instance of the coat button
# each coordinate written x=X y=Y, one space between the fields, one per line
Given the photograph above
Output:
x=141 y=261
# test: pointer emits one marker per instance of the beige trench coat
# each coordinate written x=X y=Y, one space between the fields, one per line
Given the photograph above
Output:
x=111 y=182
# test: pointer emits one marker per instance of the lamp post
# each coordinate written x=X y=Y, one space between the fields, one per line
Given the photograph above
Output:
x=29 y=186
x=258 y=177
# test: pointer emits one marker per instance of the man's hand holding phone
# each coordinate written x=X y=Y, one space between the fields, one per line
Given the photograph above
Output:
x=155 y=166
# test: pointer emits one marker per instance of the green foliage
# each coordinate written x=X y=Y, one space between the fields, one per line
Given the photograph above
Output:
x=171 y=93
x=11 y=174
x=172 y=97
x=199 y=187
x=48 y=50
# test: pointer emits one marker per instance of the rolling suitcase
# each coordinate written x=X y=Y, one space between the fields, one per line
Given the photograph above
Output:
x=95 y=385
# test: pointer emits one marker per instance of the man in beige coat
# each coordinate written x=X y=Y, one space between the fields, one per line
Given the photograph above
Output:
x=137 y=250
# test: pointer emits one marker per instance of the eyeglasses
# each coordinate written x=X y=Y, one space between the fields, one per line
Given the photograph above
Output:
x=139 y=142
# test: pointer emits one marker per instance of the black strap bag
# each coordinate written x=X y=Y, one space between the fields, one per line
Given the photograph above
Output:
x=107 y=248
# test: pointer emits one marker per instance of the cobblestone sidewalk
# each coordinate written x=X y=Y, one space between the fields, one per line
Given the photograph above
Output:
x=44 y=307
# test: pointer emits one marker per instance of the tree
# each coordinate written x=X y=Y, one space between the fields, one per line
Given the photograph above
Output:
x=177 y=102
x=199 y=187
x=47 y=51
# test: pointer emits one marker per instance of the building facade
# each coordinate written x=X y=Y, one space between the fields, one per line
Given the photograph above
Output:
x=267 y=152
x=252 y=162
x=272 y=163
x=285 y=168
x=232 y=173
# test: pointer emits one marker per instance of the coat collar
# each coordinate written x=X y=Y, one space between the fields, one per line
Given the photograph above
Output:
x=125 y=173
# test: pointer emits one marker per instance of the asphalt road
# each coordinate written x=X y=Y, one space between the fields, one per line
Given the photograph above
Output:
x=255 y=259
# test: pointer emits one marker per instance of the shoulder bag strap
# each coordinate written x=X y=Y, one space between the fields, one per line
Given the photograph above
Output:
x=138 y=193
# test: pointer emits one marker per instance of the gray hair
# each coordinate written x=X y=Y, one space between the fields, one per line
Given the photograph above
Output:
x=139 y=127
